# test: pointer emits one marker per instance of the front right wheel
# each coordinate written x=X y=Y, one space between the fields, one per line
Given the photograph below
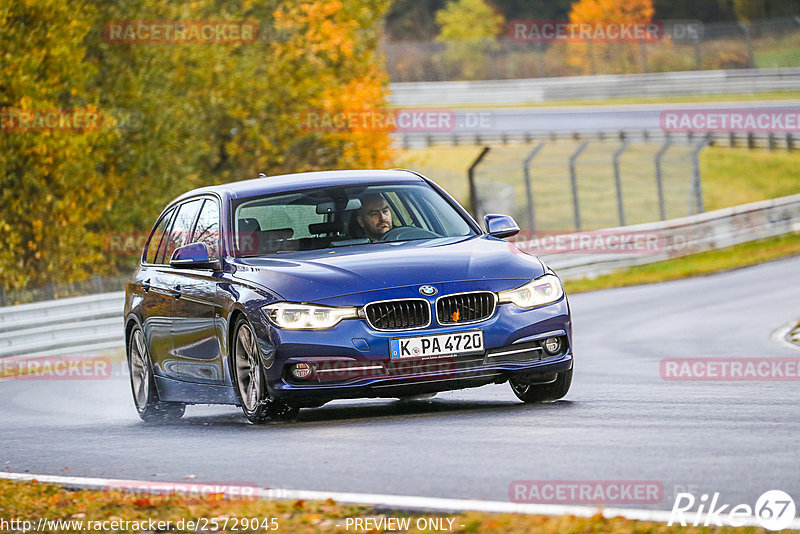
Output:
x=249 y=379
x=550 y=391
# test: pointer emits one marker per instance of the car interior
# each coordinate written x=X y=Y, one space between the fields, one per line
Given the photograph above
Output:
x=323 y=219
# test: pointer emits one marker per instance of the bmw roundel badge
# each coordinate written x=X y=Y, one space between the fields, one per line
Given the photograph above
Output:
x=428 y=291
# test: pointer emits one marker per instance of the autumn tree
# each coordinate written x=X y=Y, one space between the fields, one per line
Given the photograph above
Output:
x=53 y=192
x=615 y=57
x=199 y=114
x=748 y=10
x=469 y=29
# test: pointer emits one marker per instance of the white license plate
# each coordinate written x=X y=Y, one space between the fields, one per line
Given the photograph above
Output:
x=441 y=344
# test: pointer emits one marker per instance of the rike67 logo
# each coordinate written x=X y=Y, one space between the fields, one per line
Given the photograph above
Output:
x=773 y=510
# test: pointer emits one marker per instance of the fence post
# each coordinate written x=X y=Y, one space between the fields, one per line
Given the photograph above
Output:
x=643 y=56
x=698 y=58
x=473 y=192
x=98 y=283
x=2 y=295
x=574 y=179
x=659 y=182
x=540 y=64
x=697 y=185
x=528 y=190
x=618 y=182
x=750 y=54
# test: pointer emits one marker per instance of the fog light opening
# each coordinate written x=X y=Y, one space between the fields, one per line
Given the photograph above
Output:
x=552 y=345
x=301 y=370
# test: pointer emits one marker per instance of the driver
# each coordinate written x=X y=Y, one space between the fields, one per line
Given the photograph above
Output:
x=375 y=216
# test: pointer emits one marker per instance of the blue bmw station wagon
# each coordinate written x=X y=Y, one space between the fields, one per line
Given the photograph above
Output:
x=290 y=291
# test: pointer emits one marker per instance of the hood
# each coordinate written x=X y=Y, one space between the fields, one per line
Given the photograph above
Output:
x=323 y=274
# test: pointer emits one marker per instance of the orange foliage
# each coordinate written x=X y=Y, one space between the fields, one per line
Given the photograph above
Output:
x=612 y=11
x=622 y=56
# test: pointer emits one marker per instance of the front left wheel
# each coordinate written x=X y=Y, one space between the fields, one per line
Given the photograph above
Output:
x=542 y=392
x=145 y=397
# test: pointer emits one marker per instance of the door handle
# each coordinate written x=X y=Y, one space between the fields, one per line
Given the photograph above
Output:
x=146 y=285
x=176 y=292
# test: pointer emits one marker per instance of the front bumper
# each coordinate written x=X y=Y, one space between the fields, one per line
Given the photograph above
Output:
x=354 y=359
x=418 y=383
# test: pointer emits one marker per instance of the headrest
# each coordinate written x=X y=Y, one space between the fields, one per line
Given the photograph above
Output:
x=249 y=224
x=331 y=227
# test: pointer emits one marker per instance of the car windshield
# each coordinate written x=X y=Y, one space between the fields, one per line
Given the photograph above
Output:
x=322 y=218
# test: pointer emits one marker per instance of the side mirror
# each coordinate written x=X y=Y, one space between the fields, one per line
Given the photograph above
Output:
x=193 y=256
x=501 y=225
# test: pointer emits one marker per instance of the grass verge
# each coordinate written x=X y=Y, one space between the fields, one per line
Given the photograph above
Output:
x=730 y=177
x=33 y=501
x=694 y=264
x=734 y=176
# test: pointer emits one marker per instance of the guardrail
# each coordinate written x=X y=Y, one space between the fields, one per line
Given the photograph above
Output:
x=535 y=90
x=687 y=235
x=86 y=325
x=93 y=324
x=772 y=141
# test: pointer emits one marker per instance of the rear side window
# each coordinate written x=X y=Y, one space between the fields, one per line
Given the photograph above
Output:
x=207 y=229
x=181 y=229
x=156 y=237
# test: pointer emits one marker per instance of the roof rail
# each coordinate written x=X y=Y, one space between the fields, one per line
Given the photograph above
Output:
x=415 y=173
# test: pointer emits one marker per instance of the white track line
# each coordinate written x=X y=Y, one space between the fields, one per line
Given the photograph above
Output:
x=398 y=502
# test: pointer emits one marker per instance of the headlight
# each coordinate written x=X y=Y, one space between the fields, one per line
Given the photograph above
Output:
x=544 y=290
x=305 y=316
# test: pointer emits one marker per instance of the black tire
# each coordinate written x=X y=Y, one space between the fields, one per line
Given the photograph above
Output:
x=543 y=392
x=250 y=381
x=143 y=386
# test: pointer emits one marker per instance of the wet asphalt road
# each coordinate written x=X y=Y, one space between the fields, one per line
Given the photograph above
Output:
x=620 y=421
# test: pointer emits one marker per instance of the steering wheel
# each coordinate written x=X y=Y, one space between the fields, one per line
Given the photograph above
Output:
x=403 y=233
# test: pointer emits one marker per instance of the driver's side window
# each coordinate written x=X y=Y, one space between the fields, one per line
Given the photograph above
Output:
x=206 y=230
x=181 y=228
